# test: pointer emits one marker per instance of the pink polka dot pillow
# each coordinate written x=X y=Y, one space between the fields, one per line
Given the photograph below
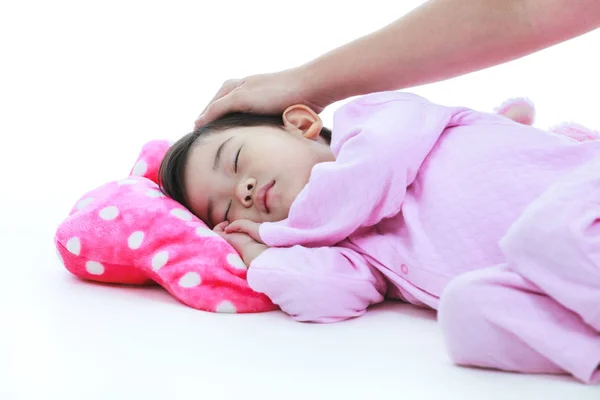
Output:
x=128 y=232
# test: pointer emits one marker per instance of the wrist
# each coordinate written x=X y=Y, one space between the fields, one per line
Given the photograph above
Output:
x=312 y=86
x=252 y=251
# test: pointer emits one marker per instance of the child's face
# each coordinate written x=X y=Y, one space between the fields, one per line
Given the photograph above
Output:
x=252 y=173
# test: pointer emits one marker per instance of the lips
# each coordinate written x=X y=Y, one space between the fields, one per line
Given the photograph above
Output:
x=262 y=199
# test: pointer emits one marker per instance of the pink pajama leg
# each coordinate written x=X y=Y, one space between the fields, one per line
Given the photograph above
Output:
x=541 y=311
x=556 y=243
x=495 y=318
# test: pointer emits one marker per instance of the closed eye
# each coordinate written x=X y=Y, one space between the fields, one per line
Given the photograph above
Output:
x=237 y=157
x=235 y=169
x=227 y=212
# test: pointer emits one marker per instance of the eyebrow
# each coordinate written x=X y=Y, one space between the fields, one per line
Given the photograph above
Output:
x=219 y=152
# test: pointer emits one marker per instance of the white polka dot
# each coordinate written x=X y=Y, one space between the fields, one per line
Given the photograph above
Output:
x=94 y=267
x=127 y=182
x=109 y=213
x=154 y=193
x=181 y=214
x=81 y=204
x=235 y=261
x=204 y=231
x=140 y=168
x=190 y=279
x=159 y=260
x=226 y=307
x=74 y=245
x=135 y=240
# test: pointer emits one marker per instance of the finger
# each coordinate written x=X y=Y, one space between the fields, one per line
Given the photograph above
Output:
x=231 y=102
x=221 y=226
x=228 y=238
x=234 y=240
x=223 y=236
x=239 y=225
x=214 y=111
x=225 y=89
x=246 y=226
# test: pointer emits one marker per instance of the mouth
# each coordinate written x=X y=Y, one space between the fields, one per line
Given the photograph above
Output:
x=262 y=197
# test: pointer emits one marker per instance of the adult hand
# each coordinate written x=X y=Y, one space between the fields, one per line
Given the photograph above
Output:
x=440 y=39
x=263 y=94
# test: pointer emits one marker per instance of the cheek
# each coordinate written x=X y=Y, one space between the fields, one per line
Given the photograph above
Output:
x=238 y=212
x=194 y=204
x=196 y=198
x=298 y=161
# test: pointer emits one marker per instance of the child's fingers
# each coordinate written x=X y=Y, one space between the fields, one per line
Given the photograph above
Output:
x=241 y=225
x=228 y=238
x=221 y=227
x=222 y=234
x=246 y=226
x=236 y=240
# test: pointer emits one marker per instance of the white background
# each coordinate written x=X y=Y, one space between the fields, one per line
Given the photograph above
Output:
x=84 y=84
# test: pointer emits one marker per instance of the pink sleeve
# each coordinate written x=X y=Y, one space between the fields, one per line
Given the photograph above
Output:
x=380 y=142
x=323 y=284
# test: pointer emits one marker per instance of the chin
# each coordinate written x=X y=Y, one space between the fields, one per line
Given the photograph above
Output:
x=280 y=209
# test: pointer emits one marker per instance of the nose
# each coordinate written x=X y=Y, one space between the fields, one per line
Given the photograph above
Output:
x=245 y=191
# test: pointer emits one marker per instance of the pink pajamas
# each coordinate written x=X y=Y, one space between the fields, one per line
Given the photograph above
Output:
x=490 y=221
x=495 y=318
x=540 y=312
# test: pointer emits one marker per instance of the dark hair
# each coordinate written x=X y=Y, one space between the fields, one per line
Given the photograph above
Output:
x=172 y=167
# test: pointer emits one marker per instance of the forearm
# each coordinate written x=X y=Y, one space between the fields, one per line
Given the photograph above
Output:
x=252 y=251
x=318 y=284
x=447 y=38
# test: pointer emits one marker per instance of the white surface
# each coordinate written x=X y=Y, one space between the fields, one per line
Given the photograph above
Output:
x=82 y=87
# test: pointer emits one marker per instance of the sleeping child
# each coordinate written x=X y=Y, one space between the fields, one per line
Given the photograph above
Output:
x=492 y=223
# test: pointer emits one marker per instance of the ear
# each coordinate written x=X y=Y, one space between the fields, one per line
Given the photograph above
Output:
x=302 y=118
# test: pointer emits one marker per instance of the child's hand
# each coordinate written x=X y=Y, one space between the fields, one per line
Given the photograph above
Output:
x=244 y=226
x=244 y=244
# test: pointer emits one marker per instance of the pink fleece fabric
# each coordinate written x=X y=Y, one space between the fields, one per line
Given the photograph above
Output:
x=420 y=196
x=128 y=232
x=439 y=186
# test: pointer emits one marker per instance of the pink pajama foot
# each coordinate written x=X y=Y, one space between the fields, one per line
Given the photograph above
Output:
x=495 y=318
x=576 y=131
x=520 y=110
